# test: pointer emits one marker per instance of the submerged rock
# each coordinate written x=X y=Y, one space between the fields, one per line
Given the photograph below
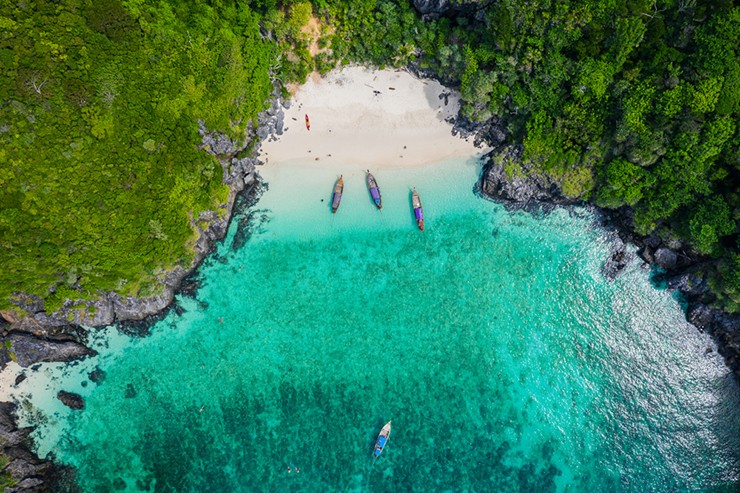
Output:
x=96 y=376
x=130 y=391
x=71 y=400
x=189 y=286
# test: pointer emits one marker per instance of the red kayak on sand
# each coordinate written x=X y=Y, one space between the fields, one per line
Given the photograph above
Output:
x=308 y=123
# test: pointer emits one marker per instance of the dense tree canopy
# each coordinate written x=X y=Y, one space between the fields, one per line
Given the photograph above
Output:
x=626 y=103
x=101 y=177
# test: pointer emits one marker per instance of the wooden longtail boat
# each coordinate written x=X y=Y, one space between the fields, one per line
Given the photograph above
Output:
x=418 y=211
x=336 y=198
x=372 y=185
x=382 y=440
x=308 y=123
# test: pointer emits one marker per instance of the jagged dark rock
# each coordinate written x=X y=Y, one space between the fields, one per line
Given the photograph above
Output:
x=653 y=240
x=522 y=188
x=724 y=327
x=5 y=357
x=189 y=286
x=492 y=132
x=26 y=467
x=27 y=350
x=28 y=485
x=71 y=400
x=29 y=473
x=617 y=261
x=700 y=316
x=140 y=328
x=665 y=258
x=693 y=287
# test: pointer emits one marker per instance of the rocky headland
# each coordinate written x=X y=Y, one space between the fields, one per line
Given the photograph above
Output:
x=675 y=265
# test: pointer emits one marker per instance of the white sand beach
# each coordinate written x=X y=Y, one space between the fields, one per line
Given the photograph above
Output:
x=369 y=118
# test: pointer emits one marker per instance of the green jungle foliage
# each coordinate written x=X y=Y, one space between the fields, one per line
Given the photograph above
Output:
x=625 y=103
x=6 y=480
x=101 y=176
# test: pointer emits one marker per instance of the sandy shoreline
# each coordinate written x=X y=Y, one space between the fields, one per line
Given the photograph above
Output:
x=364 y=118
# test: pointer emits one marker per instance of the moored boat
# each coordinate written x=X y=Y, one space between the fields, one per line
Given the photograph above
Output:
x=382 y=440
x=336 y=198
x=418 y=211
x=372 y=185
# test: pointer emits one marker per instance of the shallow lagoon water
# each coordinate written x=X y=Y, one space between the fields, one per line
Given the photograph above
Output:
x=505 y=359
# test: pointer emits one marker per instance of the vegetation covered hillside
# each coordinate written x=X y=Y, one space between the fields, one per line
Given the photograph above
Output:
x=101 y=174
x=625 y=103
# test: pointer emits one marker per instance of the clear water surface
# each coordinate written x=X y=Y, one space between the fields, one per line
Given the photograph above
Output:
x=505 y=359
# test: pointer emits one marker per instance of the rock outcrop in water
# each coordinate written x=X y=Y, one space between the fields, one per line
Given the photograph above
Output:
x=29 y=473
x=71 y=400
x=677 y=264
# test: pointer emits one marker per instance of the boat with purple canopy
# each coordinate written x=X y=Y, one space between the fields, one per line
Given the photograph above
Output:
x=372 y=185
x=336 y=198
x=382 y=440
x=418 y=211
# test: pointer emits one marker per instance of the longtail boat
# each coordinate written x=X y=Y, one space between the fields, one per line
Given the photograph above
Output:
x=382 y=440
x=308 y=123
x=336 y=198
x=372 y=185
x=418 y=211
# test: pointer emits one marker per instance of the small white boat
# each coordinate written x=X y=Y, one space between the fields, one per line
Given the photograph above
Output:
x=382 y=440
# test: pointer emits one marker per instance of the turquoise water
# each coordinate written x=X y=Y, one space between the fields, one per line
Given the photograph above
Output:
x=505 y=359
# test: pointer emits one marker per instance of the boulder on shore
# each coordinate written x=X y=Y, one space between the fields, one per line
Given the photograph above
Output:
x=666 y=258
x=28 y=350
x=522 y=188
